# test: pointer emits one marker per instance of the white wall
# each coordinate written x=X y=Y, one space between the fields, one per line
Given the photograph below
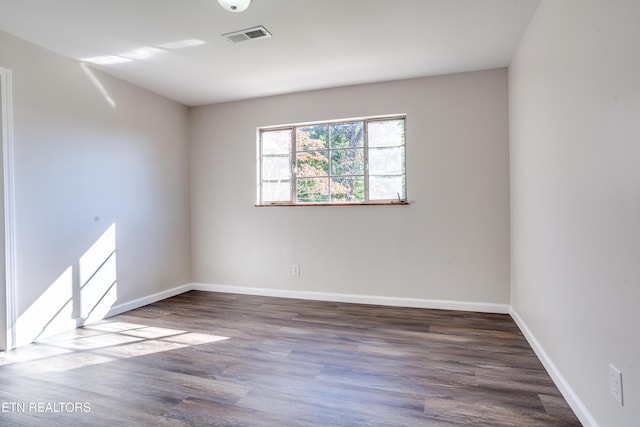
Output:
x=575 y=190
x=92 y=153
x=450 y=243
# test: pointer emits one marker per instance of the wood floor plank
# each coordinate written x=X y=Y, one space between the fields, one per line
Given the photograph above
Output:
x=210 y=359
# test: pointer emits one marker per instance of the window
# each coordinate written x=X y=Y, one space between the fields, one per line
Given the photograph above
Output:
x=340 y=162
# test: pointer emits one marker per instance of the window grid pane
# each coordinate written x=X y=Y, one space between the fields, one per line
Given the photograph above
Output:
x=347 y=135
x=386 y=187
x=313 y=190
x=312 y=163
x=386 y=161
x=386 y=133
x=312 y=138
x=276 y=142
x=276 y=191
x=275 y=167
x=347 y=162
x=348 y=189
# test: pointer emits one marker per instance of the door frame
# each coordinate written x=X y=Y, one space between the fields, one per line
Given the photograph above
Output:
x=8 y=333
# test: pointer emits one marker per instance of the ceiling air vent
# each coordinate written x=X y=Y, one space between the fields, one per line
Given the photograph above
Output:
x=258 y=32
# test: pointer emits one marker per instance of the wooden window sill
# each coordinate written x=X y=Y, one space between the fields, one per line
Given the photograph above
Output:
x=296 y=205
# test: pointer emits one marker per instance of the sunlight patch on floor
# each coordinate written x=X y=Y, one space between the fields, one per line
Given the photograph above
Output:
x=100 y=343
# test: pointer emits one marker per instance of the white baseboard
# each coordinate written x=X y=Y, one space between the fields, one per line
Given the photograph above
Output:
x=358 y=299
x=307 y=295
x=141 y=302
x=569 y=394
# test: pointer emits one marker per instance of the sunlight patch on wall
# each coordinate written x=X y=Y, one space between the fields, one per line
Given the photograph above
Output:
x=98 y=85
x=98 y=277
x=51 y=313
x=63 y=306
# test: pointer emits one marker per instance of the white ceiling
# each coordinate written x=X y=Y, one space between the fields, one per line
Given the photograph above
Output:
x=316 y=43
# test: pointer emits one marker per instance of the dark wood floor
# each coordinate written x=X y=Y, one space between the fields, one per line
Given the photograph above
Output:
x=202 y=359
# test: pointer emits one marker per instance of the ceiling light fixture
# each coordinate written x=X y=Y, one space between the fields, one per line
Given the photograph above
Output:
x=234 y=5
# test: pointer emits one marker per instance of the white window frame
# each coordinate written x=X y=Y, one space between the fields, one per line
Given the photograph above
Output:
x=292 y=163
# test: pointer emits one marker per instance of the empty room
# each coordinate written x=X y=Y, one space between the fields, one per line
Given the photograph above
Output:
x=320 y=213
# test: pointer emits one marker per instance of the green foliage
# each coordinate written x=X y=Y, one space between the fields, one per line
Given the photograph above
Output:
x=344 y=135
x=347 y=162
x=312 y=190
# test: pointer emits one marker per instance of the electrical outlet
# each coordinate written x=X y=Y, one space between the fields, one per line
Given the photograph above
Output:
x=615 y=383
x=295 y=270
